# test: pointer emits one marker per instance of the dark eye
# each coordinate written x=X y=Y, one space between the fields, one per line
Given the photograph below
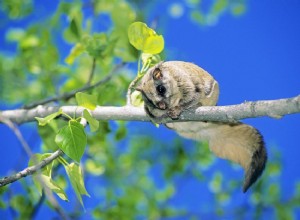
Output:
x=161 y=90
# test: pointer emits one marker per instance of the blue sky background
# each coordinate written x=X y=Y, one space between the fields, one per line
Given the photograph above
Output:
x=254 y=57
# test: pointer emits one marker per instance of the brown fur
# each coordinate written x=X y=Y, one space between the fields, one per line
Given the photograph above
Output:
x=187 y=86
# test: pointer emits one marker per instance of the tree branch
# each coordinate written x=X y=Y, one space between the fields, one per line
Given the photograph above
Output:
x=86 y=87
x=30 y=170
x=271 y=108
x=18 y=134
x=230 y=113
x=33 y=169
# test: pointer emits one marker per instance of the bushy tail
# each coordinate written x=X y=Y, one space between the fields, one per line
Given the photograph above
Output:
x=257 y=165
x=242 y=144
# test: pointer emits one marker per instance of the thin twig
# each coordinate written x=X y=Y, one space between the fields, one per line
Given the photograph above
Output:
x=34 y=169
x=71 y=94
x=106 y=79
x=37 y=206
x=30 y=170
x=18 y=134
x=53 y=202
x=92 y=73
x=28 y=151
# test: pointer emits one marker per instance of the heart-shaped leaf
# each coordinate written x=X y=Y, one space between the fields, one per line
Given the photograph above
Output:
x=49 y=118
x=76 y=179
x=86 y=100
x=71 y=139
x=145 y=39
x=94 y=124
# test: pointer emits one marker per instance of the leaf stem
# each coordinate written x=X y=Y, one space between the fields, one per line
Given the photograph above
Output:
x=68 y=116
x=62 y=161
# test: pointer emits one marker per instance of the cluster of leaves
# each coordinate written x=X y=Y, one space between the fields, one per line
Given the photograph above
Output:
x=71 y=138
x=16 y=8
x=37 y=62
x=38 y=66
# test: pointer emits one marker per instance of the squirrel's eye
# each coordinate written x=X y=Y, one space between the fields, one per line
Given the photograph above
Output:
x=161 y=90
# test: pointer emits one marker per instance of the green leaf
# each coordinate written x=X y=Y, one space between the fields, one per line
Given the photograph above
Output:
x=121 y=132
x=2 y=205
x=123 y=48
x=73 y=32
x=76 y=178
x=95 y=44
x=94 y=124
x=219 y=6
x=48 y=182
x=49 y=118
x=136 y=99
x=216 y=182
x=122 y=15
x=71 y=139
x=36 y=158
x=198 y=17
x=150 y=58
x=30 y=42
x=238 y=9
x=94 y=167
x=16 y=9
x=46 y=171
x=98 y=45
x=74 y=28
x=75 y=52
x=17 y=202
x=47 y=133
x=15 y=34
x=145 y=39
x=86 y=100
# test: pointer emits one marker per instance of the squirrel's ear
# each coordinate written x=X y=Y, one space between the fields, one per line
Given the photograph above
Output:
x=157 y=74
x=209 y=87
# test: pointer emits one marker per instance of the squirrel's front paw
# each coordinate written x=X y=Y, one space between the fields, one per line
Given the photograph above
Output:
x=175 y=112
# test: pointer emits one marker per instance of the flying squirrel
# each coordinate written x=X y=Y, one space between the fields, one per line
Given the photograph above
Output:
x=175 y=86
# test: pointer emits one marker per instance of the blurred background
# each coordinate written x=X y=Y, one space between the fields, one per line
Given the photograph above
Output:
x=135 y=170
